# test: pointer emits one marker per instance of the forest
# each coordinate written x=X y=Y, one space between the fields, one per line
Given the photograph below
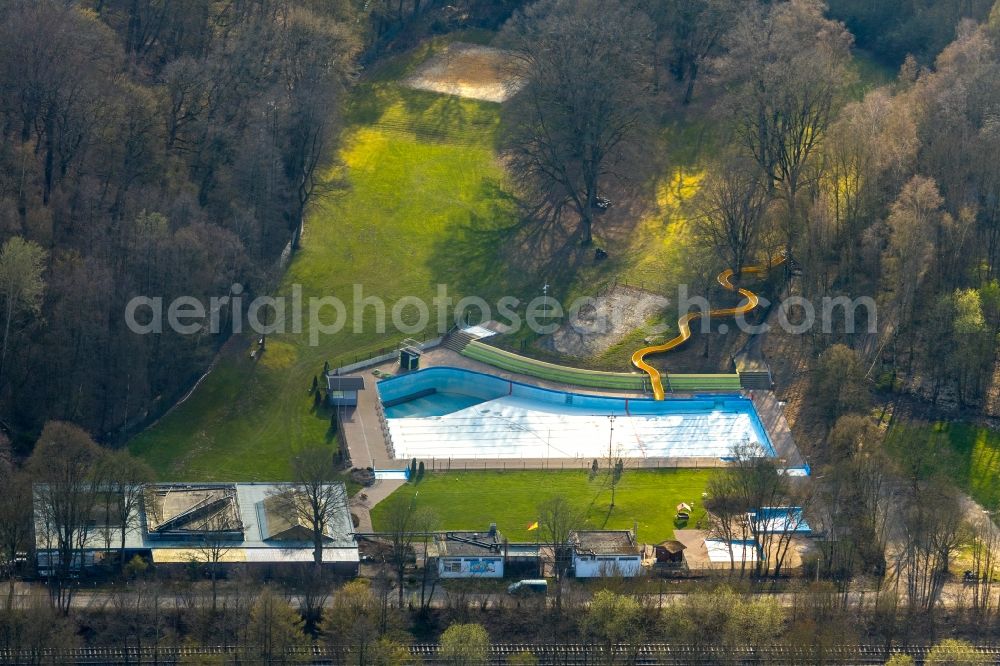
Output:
x=161 y=148
x=197 y=147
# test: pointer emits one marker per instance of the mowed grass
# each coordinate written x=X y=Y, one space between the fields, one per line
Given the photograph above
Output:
x=423 y=201
x=968 y=454
x=418 y=170
x=472 y=500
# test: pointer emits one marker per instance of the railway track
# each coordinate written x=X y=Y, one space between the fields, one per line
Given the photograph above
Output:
x=564 y=654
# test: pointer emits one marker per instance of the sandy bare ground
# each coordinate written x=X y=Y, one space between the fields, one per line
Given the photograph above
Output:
x=468 y=70
x=597 y=327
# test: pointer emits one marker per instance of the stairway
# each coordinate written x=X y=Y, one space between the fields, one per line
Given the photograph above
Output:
x=457 y=340
x=755 y=379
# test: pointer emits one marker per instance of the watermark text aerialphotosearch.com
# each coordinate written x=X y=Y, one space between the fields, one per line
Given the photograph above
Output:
x=320 y=316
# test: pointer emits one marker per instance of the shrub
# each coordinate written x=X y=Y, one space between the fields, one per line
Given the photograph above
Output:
x=952 y=652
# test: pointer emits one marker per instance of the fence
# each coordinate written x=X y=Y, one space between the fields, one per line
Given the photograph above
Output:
x=379 y=356
x=386 y=433
x=516 y=464
x=498 y=654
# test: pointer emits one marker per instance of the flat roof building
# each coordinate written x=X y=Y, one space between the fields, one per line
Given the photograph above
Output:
x=468 y=554
x=343 y=391
x=242 y=522
x=598 y=553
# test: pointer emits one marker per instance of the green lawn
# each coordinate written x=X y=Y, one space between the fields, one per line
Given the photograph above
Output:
x=423 y=204
x=472 y=500
x=967 y=453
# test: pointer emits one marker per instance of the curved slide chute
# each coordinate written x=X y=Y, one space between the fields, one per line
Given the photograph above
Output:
x=684 y=323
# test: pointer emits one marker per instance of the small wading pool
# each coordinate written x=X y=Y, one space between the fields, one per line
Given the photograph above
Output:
x=446 y=412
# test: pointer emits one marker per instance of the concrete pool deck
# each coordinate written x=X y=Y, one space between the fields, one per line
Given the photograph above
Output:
x=367 y=441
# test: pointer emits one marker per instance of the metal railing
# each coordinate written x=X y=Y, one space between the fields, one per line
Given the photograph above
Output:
x=386 y=433
x=560 y=653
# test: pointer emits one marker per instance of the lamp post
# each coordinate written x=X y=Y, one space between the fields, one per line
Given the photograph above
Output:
x=611 y=459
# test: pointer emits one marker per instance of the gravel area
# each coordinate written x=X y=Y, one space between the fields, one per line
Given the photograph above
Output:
x=612 y=317
x=468 y=70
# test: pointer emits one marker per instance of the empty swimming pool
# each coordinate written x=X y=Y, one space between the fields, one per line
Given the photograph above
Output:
x=446 y=412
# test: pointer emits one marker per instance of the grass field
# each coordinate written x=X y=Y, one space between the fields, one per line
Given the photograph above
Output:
x=420 y=173
x=966 y=453
x=424 y=202
x=471 y=500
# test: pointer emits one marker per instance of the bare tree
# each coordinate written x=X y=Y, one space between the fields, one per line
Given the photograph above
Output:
x=21 y=285
x=931 y=533
x=317 y=56
x=839 y=385
x=315 y=497
x=914 y=218
x=731 y=209
x=428 y=575
x=614 y=461
x=123 y=479
x=212 y=548
x=786 y=68
x=556 y=519
x=312 y=586
x=727 y=515
x=583 y=63
x=134 y=615
x=984 y=542
x=404 y=522
x=15 y=522
x=693 y=31
x=857 y=496
x=64 y=468
x=754 y=486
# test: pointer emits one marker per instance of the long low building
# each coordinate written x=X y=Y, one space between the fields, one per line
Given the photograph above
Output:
x=222 y=523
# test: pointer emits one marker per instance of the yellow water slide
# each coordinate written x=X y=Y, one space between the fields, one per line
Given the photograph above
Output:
x=684 y=323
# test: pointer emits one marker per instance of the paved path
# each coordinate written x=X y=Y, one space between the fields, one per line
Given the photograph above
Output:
x=772 y=416
x=363 y=429
x=373 y=495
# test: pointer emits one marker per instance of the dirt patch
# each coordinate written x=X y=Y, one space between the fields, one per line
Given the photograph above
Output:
x=595 y=327
x=468 y=70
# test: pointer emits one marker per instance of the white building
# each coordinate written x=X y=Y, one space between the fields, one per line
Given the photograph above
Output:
x=177 y=523
x=469 y=554
x=600 y=553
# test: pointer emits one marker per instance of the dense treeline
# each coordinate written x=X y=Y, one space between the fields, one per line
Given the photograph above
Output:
x=903 y=205
x=357 y=621
x=894 y=29
x=892 y=196
x=162 y=148
x=149 y=148
x=889 y=194
x=879 y=576
x=171 y=149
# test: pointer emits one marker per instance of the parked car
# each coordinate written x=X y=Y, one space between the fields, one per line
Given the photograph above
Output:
x=529 y=586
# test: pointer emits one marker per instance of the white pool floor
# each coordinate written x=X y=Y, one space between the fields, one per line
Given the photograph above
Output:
x=512 y=427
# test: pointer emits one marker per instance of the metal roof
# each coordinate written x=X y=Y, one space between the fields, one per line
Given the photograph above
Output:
x=338 y=383
x=253 y=544
x=604 y=542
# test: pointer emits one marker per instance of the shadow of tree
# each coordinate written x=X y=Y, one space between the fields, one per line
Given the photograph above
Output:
x=508 y=250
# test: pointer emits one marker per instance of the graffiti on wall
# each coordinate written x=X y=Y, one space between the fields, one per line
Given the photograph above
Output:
x=482 y=566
